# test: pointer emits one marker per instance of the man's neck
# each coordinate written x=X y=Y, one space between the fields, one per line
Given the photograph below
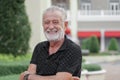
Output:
x=55 y=45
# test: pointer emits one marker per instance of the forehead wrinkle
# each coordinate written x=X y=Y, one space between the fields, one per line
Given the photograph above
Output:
x=53 y=14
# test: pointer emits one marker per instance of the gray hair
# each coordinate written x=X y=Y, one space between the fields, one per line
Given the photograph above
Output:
x=56 y=8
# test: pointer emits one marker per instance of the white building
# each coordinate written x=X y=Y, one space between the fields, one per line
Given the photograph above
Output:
x=86 y=18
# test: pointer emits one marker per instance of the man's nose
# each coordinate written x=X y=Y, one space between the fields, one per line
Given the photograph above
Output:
x=51 y=26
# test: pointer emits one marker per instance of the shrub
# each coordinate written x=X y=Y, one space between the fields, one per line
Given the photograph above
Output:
x=85 y=43
x=93 y=45
x=11 y=58
x=13 y=65
x=10 y=77
x=14 y=27
x=12 y=69
x=113 y=45
x=91 y=67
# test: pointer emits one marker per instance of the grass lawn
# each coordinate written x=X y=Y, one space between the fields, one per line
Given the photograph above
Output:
x=10 y=77
x=8 y=63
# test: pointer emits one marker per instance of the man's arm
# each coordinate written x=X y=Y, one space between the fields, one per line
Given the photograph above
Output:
x=31 y=70
x=59 y=76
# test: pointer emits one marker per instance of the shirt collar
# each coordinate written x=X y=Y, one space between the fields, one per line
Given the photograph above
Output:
x=64 y=45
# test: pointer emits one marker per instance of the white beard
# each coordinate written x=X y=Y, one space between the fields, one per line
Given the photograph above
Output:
x=55 y=36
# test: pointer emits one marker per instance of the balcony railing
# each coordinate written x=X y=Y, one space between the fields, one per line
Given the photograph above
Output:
x=99 y=12
x=96 y=15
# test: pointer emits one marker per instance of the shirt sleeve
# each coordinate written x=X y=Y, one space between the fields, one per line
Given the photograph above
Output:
x=34 y=56
x=71 y=62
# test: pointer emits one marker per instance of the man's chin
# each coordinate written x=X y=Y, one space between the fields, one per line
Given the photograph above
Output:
x=55 y=39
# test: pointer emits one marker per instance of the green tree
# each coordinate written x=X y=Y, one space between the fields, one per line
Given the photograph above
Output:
x=93 y=44
x=85 y=43
x=113 y=45
x=14 y=27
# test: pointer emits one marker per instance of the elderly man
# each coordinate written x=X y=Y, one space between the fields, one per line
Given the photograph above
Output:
x=58 y=58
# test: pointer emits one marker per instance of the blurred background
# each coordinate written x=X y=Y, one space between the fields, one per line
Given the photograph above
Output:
x=93 y=24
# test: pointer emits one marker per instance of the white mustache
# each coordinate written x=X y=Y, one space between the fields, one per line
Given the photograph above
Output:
x=51 y=30
x=57 y=34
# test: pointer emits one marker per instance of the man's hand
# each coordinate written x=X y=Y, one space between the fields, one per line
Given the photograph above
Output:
x=75 y=78
x=23 y=74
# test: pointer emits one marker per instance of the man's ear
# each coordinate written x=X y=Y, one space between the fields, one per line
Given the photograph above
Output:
x=65 y=24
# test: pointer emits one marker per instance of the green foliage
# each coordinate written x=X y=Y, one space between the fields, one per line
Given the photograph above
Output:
x=85 y=43
x=91 y=67
x=10 y=77
x=13 y=65
x=14 y=27
x=113 y=45
x=93 y=44
x=11 y=58
x=12 y=69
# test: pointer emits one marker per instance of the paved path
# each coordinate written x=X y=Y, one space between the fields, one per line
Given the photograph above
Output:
x=113 y=70
x=110 y=63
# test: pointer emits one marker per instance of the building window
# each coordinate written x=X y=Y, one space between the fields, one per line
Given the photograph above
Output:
x=86 y=6
x=114 y=6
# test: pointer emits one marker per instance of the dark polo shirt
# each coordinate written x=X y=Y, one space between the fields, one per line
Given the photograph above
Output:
x=67 y=59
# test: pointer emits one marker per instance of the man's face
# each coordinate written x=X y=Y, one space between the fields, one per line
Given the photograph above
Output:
x=53 y=26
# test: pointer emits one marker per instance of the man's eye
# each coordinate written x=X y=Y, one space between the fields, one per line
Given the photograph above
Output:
x=46 y=22
x=55 y=22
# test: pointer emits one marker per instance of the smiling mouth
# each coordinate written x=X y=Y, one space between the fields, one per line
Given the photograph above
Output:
x=52 y=31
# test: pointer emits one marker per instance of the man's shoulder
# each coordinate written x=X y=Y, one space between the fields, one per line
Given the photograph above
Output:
x=72 y=44
x=42 y=44
x=73 y=48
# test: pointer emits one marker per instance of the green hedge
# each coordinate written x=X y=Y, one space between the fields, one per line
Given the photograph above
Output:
x=12 y=69
x=10 y=65
x=15 y=30
x=91 y=44
x=91 y=67
x=10 y=77
x=113 y=45
x=85 y=43
x=94 y=44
